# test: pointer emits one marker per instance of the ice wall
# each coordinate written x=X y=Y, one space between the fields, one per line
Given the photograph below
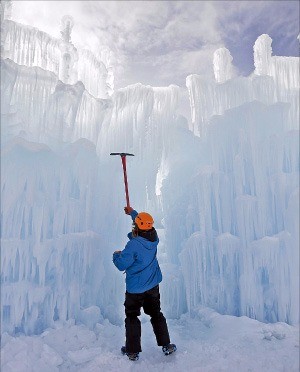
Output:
x=144 y=122
x=64 y=219
x=35 y=102
x=29 y=46
x=239 y=253
x=242 y=257
x=97 y=75
x=25 y=93
x=50 y=249
x=224 y=193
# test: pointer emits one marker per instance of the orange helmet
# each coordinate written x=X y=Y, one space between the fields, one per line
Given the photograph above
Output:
x=144 y=221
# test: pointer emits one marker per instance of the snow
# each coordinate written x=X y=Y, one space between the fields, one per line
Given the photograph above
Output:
x=223 y=186
x=206 y=341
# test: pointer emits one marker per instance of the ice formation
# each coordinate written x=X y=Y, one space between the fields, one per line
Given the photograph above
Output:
x=222 y=65
x=223 y=187
x=29 y=46
x=275 y=79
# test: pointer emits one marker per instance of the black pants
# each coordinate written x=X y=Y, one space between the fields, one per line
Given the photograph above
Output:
x=150 y=301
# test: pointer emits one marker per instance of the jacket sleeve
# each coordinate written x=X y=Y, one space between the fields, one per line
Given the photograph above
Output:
x=133 y=214
x=124 y=259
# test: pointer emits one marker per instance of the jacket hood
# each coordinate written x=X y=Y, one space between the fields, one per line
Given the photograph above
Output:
x=150 y=235
x=146 y=237
x=146 y=243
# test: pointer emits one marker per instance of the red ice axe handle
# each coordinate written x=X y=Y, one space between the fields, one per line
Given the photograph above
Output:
x=125 y=179
x=123 y=157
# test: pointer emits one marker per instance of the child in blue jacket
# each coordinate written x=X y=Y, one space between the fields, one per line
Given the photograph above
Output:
x=143 y=276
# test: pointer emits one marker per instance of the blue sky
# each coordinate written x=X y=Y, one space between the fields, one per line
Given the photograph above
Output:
x=161 y=42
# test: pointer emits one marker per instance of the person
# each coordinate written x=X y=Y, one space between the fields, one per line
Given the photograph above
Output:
x=143 y=276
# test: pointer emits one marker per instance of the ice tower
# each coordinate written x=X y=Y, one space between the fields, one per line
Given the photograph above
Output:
x=6 y=9
x=262 y=54
x=69 y=54
x=222 y=65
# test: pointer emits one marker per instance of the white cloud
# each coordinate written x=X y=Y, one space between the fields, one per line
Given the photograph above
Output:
x=280 y=19
x=155 y=42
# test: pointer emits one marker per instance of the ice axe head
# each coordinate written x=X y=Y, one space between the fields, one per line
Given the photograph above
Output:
x=123 y=157
x=121 y=154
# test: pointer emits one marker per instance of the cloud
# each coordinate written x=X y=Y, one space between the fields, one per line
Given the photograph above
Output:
x=141 y=34
x=161 y=42
x=242 y=22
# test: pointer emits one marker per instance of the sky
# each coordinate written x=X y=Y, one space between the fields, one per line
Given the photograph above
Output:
x=160 y=43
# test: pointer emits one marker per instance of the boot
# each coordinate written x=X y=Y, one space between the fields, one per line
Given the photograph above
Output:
x=131 y=356
x=169 y=349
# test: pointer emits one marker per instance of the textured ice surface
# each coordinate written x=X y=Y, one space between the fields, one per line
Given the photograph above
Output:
x=246 y=251
x=223 y=188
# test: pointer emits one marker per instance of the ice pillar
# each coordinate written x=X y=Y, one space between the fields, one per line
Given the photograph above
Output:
x=222 y=65
x=69 y=55
x=6 y=8
x=262 y=54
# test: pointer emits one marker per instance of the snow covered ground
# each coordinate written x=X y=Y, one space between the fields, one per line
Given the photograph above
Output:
x=207 y=341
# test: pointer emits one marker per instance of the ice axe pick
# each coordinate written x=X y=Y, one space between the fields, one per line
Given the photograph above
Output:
x=123 y=158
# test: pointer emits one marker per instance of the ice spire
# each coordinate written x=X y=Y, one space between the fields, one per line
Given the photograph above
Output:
x=222 y=65
x=6 y=8
x=262 y=54
x=69 y=53
x=67 y=23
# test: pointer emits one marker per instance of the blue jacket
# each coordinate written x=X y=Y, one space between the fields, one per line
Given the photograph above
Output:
x=139 y=261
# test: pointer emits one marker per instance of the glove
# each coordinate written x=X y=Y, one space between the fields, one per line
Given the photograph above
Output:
x=128 y=210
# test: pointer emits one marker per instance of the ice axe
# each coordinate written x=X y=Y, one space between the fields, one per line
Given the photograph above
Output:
x=123 y=157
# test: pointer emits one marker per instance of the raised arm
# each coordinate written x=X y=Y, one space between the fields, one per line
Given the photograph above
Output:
x=131 y=212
